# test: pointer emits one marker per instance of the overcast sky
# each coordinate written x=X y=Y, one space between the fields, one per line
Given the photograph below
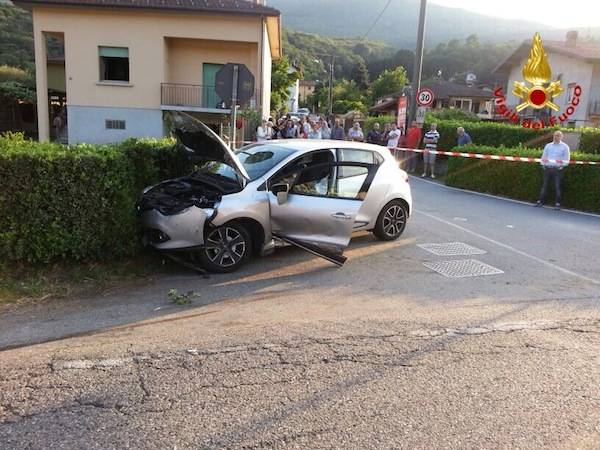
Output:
x=561 y=14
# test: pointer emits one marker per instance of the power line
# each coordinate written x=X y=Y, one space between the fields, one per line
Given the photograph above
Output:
x=378 y=17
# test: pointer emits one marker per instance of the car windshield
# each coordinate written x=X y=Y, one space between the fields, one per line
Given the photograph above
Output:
x=258 y=159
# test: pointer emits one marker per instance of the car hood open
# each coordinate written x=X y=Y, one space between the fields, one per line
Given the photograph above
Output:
x=199 y=139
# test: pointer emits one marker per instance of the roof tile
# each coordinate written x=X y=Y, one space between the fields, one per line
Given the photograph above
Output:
x=227 y=6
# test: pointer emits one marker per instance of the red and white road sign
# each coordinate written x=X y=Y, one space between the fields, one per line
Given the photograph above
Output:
x=425 y=97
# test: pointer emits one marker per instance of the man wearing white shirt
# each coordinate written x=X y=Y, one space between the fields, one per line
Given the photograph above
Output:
x=393 y=137
x=263 y=132
x=555 y=158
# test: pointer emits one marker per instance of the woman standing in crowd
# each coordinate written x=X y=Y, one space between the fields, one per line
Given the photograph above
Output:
x=355 y=133
x=263 y=131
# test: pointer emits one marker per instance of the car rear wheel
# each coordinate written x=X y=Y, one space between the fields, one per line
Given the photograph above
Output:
x=226 y=248
x=391 y=221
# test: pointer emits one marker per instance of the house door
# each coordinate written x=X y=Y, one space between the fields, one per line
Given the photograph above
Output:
x=210 y=99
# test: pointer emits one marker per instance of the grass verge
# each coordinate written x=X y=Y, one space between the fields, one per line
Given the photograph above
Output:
x=24 y=283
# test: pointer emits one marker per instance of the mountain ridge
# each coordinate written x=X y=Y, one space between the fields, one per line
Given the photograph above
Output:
x=398 y=26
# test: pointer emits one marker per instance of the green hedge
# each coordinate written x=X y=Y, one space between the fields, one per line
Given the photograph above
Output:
x=77 y=202
x=381 y=120
x=523 y=181
x=590 y=140
x=491 y=134
x=496 y=134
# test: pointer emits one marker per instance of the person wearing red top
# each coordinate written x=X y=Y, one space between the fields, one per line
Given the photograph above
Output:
x=413 y=139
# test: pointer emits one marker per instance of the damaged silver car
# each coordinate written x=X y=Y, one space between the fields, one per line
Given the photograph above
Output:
x=309 y=193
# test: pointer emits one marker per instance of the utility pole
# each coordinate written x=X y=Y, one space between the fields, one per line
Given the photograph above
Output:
x=416 y=79
x=234 y=96
x=331 y=68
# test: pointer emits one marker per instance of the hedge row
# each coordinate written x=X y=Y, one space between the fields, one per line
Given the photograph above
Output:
x=77 y=202
x=522 y=181
x=495 y=134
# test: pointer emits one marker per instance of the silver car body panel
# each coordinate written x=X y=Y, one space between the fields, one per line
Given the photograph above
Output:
x=185 y=230
x=306 y=217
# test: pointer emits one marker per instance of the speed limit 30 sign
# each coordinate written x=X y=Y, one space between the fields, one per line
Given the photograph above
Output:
x=425 y=97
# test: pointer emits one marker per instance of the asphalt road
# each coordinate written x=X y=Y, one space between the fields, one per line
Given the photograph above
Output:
x=293 y=352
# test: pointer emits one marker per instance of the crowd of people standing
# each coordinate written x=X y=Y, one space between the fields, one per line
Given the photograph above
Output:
x=391 y=137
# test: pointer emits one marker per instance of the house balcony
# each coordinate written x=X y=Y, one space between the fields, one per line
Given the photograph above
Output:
x=198 y=98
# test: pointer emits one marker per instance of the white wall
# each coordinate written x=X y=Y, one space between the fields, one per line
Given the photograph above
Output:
x=267 y=70
x=294 y=97
x=88 y=124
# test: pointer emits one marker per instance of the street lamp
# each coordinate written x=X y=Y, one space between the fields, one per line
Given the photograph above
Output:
x=331 y=69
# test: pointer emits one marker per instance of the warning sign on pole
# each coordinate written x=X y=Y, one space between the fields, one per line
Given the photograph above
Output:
x=425 y=97
x=420 y=117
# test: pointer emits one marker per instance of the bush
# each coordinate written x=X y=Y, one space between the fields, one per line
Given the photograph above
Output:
x=452 y=114
x=523 y=181
x=590 y=140
x=496 y=134
x=491 y=134
x=381 y=120
x=77 y=202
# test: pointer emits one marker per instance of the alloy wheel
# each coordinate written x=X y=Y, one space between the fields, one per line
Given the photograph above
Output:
x=225 y=246
x=394 y=220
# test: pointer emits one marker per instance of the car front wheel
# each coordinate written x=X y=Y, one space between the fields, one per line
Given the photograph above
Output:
x=226 y=248
x=391 y=221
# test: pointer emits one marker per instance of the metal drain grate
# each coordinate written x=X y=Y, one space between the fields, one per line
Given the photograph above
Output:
x=462 y=268
x=452 y=249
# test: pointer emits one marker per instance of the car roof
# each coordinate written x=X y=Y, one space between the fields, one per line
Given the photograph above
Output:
x=309 y=145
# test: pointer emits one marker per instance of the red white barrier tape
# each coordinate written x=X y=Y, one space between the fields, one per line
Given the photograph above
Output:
x=500 y=157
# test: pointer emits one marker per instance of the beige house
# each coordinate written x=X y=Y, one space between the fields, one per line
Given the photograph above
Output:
x=573 y=63
x=127 y=62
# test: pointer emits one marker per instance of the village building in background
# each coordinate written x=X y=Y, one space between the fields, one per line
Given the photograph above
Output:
x=126 y=63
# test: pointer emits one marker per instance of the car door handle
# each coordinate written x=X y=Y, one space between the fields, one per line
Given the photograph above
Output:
x=341 y=216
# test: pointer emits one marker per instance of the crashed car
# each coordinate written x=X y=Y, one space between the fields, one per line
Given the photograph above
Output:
x=309 y=193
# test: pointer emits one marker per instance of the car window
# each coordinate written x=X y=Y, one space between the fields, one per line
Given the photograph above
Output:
x=349 y=182
x=314 y=180
x=290 y=173
x=259 y=159
x=357 y=156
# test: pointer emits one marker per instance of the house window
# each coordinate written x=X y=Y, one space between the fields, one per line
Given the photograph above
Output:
x=114 y=64
x=115 y=124
x=571 y=92
x=461 y=103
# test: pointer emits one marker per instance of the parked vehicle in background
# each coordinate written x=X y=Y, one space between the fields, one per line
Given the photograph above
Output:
x=309 y=193
x=303 y=112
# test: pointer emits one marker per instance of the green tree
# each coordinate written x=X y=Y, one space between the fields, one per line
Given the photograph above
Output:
x=360 y=75
x=389 y=82
x=16 y=37
x=282 y=78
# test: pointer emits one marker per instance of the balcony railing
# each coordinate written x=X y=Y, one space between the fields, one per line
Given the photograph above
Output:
x=197 y=97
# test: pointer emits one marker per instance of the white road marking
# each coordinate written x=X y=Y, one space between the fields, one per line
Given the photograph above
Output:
x=460 y=219
x=512 y=249
x=510 y=226
x=512 y=200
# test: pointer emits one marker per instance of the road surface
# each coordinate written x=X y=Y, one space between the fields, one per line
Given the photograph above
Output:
x=293 y=352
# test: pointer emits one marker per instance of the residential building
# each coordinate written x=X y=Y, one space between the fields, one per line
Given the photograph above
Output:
x=573 y=63
x=307 y=88
x=294 y=91
x=128 y=62
x=447 y=94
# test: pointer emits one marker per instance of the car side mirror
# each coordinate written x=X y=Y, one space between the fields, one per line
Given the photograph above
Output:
x=281 y=191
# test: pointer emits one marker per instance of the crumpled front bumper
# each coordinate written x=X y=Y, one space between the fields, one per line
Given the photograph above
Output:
x=178 y=231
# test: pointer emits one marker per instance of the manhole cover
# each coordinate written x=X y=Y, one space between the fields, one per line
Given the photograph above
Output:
x=452 y=249
x=462 y=268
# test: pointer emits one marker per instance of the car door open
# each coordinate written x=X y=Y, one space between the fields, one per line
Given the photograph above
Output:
x=315 y=207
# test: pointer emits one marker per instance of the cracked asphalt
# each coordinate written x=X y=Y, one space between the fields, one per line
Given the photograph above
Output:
x=294 y=353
